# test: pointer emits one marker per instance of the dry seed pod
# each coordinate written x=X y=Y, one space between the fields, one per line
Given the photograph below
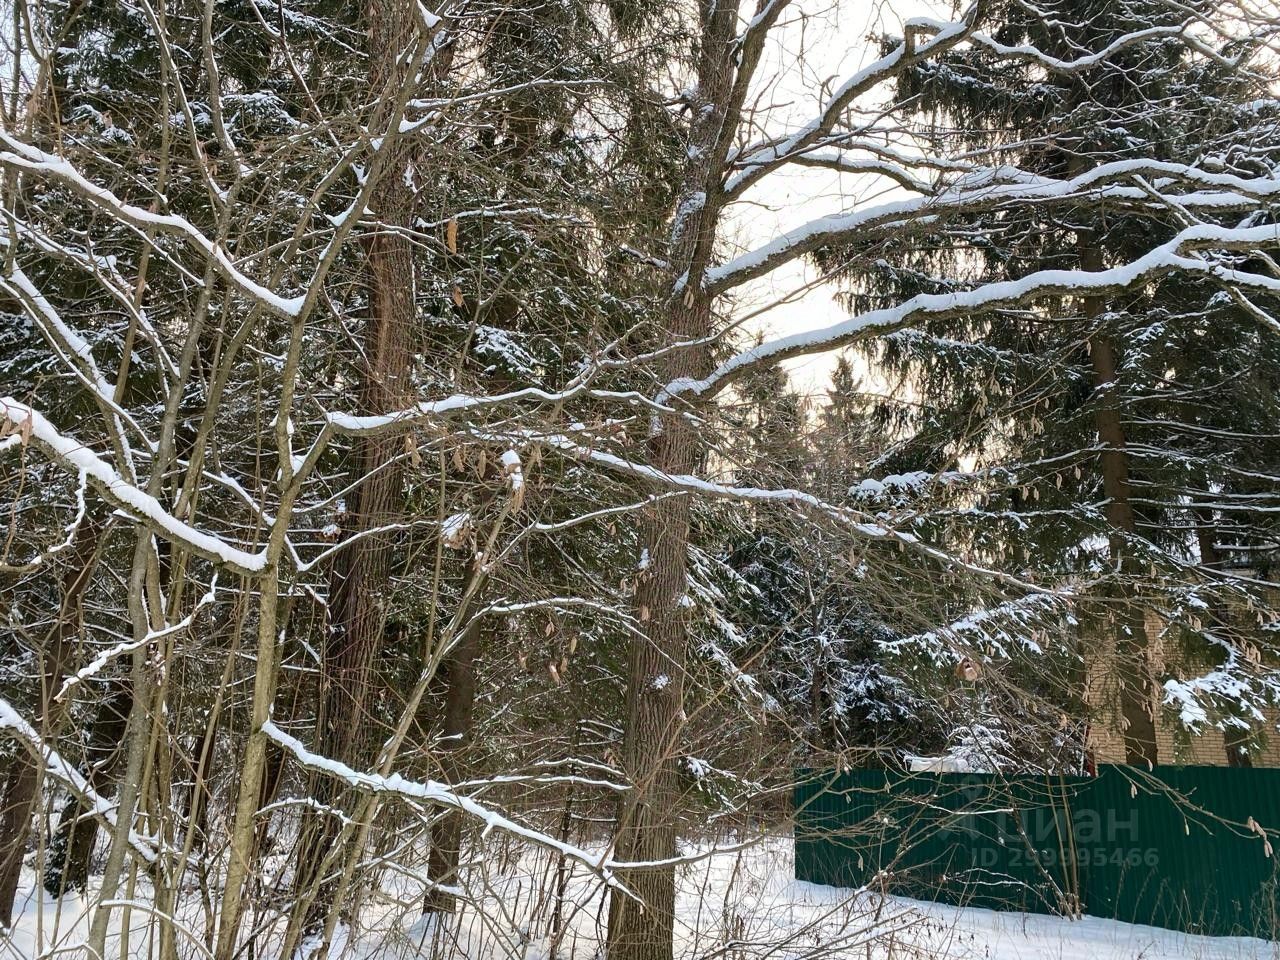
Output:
x=968 y=670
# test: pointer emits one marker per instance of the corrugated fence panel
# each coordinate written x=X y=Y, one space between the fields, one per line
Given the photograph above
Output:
x=1174 y=848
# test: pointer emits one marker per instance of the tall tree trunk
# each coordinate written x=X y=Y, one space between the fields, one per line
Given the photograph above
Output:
x=358 y=594
x=16 y=806
x=1235 y=740
x=67 y=867
x=642 y=923
x=459 y=715
x=1132 y=645
x=20 y=776
x=641 y=926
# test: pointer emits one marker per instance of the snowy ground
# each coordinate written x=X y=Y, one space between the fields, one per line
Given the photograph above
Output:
x=733 y=906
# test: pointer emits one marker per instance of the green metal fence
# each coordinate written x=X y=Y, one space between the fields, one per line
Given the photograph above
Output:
x=1188 y=848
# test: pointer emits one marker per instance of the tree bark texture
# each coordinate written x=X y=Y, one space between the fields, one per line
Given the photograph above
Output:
x=358 y=592
x=459 y=713
x=642 y=922
x=20 y=777
x=1132 y=653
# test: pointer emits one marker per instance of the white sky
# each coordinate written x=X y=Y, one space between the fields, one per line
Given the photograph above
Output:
x=834 y=37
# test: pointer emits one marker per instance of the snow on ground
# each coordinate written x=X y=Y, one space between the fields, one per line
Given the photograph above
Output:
x=733 y=905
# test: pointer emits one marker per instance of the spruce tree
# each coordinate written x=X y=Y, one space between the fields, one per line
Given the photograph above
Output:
x=1085 y=422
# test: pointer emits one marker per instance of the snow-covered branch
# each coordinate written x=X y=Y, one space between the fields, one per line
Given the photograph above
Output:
x=990 y=189
x=1059 y=66
x=437 y=794
x=460 y=404
x=12 y=723
x=21 y=420
x=850 y=520
x=24 y=157
x=1167 y=258
x=758 y=161
x=77 y=354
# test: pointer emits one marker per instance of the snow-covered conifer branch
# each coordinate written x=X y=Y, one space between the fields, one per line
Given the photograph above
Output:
x=1006 y=629
x=990 y=189
x=1086 y=61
